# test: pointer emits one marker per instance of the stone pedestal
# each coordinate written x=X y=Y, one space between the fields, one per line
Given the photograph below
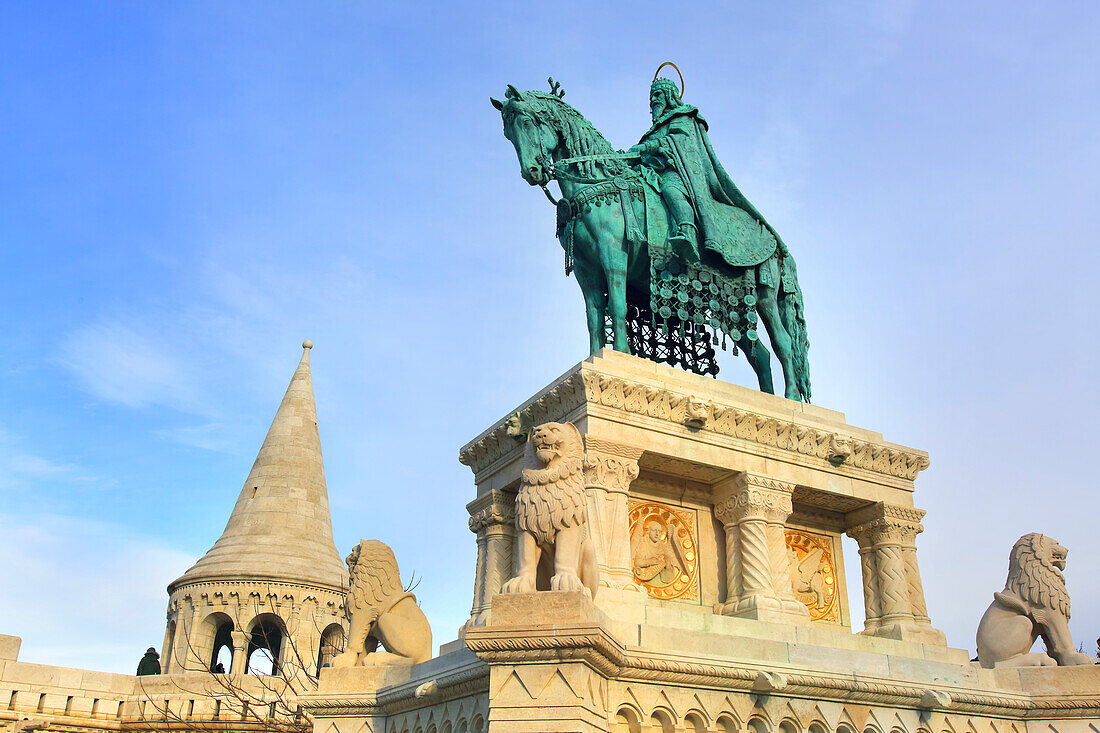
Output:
x=716 y=513
x=747 y=496
x=541 y=649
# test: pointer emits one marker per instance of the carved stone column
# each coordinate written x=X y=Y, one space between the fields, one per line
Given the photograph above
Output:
x=609 y=469
x=753 y=510
x=892 y=590
x=239 y=665
x=492 y=519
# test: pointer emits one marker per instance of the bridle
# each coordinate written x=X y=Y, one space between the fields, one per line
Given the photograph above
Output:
x=558 y=171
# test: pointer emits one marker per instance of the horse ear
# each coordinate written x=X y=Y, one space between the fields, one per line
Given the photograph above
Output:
x=512 y=93
x=497 y=103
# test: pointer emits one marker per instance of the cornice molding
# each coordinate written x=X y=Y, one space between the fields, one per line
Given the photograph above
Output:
x=593 y=645
x=588 y=385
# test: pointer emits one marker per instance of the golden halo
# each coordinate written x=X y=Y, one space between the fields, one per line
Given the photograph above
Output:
x=678 y=73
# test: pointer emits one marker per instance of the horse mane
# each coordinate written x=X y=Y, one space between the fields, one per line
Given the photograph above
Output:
x=581 y=138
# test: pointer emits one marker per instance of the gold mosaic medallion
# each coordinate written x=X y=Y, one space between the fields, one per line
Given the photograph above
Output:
x=664 y=553
x=813 y=573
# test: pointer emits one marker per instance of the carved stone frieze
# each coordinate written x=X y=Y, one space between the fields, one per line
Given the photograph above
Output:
x=618 y=393
x=602 y=652
x=510 y=433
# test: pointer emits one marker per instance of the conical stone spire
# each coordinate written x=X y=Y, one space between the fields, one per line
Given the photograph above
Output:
x=280 y=528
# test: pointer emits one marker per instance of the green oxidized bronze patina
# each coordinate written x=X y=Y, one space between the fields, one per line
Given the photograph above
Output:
x=664 y=222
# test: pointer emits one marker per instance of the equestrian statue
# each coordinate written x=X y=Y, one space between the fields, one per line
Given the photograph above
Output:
x=669 y=254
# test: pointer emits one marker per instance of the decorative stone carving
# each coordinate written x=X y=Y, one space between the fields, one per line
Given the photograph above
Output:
x=382 y=612
x=596 y=388
x=1033 y=603
x=500 y=440
x=892 y=591
x=812 y=564
x=840 y=449
x=664 y=550
x=753 y=510
x=610 y=466
x=697 y=412
x=551 y=513
x=492 y=519
x=609 y=470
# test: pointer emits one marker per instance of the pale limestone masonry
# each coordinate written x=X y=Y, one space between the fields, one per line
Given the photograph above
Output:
x=745 y=472
x=79 y=700
x=749 y=464
x=741 y=473
x=275 y=568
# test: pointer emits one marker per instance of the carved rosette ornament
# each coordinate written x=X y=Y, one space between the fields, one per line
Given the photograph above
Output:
x=609 y=469
x=753 y=510
x=492 y=519
x=892 y=592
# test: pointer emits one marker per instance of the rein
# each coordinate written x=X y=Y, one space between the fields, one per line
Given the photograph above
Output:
x=557 y=174
x=567 y=208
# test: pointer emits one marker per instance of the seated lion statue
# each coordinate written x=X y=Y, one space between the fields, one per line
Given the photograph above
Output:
x=551 y=511
x=381 y=612
x=1034 y=603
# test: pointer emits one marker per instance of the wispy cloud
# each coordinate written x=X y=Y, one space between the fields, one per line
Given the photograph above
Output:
x=21 y=466
x=50 y=559
x=213 y=436
x=116 y=362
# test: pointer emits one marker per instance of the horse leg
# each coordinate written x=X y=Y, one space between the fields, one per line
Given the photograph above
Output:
x=761 y=362
x=767 y=305
x=595 y=306
x=615 y=266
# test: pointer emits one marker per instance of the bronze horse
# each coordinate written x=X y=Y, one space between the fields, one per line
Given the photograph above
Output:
x=553 y=141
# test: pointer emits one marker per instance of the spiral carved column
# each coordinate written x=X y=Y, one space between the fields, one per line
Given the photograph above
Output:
x=892 y=590
x=609 y=469
x=753 y=510
x=492 y=519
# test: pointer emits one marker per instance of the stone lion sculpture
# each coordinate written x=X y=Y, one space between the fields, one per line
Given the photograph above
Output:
x=551 y=512
x=382 y=612
x=1034 y=603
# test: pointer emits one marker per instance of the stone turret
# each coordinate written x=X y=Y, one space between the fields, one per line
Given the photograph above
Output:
x=274 y=579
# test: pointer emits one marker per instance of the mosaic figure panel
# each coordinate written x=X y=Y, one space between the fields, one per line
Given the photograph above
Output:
x=664 y=550
x=813 y=573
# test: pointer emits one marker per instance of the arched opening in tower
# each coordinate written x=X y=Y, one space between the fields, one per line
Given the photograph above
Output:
x=265 y=645
x=332 y=643
x=221 y=656
x=203 y=648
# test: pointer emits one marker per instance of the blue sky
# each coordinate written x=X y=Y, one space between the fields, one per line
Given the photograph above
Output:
x=188 y=190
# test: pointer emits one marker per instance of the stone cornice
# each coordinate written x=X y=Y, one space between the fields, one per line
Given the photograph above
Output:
x=244 y=587
x=591 y=386
x=509 y=434
x=469 y=679
x=593 y=645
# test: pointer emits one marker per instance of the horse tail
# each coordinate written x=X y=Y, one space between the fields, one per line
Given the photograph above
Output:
x=793 y=314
